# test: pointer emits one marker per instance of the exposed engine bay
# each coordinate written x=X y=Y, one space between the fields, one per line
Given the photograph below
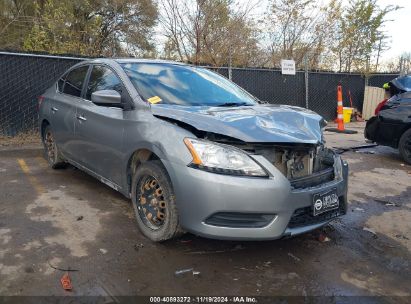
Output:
x=298 y=162
x=304 y=165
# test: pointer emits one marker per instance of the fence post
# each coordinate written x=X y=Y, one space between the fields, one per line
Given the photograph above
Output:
x=306 y=80
x=230 y=72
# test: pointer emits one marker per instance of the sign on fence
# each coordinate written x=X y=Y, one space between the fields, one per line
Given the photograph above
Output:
x=287 y=67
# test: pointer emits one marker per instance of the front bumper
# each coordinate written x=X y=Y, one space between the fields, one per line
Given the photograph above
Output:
x=201 y=194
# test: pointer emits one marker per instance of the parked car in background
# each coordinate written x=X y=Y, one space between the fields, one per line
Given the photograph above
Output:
x=392 y=124
x=193 y=151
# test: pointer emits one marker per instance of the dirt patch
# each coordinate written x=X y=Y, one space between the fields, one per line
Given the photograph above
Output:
x=63 y=214
x=28 y=138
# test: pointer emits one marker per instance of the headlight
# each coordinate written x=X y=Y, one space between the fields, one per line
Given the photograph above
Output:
x=222 y=159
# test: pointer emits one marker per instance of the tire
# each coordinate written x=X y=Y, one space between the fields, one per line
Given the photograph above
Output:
x=151 y=190
x=51 y=152
x=404 y=146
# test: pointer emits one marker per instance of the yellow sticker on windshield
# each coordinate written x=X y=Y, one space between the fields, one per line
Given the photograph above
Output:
x=154 y=99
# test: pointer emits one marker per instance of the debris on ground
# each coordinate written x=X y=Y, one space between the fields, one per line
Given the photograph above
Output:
x=370 y=231
x=323 y=238
x=391 y=204
x=103 y=251
x=66 y=282
x=267 y=264
x=340 y=150
x=61 y=269
x=138 y=246
x=188 y=270
x=79 y=218
x=359 y=209
x=364 y=152
x=401 y=236
x=294 y=257
x=386 y=202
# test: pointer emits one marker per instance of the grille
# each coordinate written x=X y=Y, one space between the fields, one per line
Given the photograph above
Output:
x=239 y=220
x=304 y=216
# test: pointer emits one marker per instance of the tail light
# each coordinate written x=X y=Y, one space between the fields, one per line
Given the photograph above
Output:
x=379 y=107
x=40 y=100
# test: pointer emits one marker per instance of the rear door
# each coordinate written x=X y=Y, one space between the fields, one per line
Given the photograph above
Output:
x=99 y=129
x=63 y=108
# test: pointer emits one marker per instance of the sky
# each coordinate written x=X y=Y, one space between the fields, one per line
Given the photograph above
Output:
x=398 y=28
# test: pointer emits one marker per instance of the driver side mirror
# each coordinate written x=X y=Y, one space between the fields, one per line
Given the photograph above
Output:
x=106 y=97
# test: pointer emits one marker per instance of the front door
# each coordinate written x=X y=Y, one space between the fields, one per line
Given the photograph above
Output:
x=99 y=129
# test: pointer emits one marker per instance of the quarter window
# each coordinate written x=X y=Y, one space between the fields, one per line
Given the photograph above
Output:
x=60 y=84
x=102 y=78
x=74 y=81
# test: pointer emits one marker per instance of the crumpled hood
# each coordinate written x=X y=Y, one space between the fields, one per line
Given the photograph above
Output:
x=255 y=124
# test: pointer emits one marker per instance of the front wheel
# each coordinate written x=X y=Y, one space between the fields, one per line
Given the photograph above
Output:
x=51 y=151
x=154 y=202
x=405 y=146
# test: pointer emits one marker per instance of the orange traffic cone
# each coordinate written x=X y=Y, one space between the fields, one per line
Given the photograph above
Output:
x=340 y=120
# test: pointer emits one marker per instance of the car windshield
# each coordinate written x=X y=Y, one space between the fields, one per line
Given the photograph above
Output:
x=185 y=85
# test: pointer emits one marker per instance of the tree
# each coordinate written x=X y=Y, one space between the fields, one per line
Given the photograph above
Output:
x=90 y=27
x=300 y=28
x=207 y=31
x=361 y=38
x=16 y=18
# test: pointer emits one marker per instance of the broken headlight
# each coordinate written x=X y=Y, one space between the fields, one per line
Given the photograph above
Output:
x=223 y=159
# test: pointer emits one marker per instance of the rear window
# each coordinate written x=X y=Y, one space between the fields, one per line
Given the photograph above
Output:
x=75 y=80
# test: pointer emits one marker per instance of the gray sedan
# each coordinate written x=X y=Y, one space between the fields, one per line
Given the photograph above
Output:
x=193 y=151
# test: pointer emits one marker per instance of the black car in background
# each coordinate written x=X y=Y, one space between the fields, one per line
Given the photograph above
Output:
x=392 y=124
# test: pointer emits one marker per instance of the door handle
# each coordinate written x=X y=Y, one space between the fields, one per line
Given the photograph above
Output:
x=54 y=109
x=80 y=117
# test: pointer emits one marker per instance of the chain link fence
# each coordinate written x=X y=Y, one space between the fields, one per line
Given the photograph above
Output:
x=24 y=77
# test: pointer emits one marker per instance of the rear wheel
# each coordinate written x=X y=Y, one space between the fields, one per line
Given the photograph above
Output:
x=405 y=146
x=154 y=202
x=51 y=151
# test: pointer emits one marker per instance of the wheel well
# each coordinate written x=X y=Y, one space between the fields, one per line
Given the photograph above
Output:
x=140 y=156
x=405 y=129
x=44 y=124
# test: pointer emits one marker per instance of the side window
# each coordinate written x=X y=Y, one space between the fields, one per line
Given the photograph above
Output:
x=102 y=78
x=75 y=80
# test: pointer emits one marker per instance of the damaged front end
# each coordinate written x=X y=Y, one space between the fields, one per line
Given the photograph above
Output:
x=290 y=138
x=304 y=166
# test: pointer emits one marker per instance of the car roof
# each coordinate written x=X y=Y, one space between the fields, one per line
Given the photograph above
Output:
x=135 y=60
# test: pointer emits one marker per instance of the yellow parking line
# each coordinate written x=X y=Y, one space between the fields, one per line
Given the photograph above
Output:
x=33 y=181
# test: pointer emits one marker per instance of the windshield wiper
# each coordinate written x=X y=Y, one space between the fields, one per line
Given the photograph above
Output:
x=233 y=104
